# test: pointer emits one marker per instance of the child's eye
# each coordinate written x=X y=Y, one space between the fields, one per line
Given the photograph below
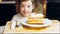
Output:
x=22 y=6
x=28 y=6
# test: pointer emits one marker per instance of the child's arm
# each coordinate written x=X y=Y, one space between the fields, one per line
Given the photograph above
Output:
x=13 y=22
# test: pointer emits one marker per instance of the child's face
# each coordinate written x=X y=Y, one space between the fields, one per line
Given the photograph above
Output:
x=26 y=8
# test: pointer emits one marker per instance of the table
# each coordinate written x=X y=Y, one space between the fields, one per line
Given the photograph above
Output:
x=53 y=28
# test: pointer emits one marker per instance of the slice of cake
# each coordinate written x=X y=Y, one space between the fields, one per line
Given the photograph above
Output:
x=36 y=19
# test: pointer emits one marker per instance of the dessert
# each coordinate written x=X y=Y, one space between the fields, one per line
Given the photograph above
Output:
x=36 y=19
x=36 y=16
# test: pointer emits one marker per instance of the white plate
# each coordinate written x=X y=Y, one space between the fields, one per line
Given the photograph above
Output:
x=47 y=23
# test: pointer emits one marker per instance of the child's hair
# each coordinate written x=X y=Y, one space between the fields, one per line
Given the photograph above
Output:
x=35 y=2
x=19 y=1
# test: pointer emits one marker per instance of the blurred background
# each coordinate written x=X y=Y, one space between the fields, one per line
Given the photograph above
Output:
x=7 y=10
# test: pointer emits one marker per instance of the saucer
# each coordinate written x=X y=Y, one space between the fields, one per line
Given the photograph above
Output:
x=47 y=22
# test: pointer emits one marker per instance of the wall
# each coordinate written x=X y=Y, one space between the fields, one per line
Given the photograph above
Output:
x=53 y=9
x=6 y=13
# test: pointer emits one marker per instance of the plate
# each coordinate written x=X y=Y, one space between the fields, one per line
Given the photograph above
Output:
x=47 y=23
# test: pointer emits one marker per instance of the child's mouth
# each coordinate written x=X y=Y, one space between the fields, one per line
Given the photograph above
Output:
x=26 y=12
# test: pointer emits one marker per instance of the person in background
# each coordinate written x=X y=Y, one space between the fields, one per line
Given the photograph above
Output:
x=38 y=8
x=25 y=9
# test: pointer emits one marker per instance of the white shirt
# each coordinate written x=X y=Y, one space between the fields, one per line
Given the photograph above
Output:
x=19 y=20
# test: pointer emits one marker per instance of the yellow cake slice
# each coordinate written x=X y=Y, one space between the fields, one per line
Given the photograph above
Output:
x=36 y=19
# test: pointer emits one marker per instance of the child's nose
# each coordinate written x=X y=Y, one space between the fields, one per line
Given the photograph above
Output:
x=26 y=8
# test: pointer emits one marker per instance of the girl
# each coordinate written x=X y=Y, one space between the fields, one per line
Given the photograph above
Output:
x=26 y=7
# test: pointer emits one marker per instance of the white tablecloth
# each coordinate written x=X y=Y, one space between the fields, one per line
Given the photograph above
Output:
x=53 y=28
